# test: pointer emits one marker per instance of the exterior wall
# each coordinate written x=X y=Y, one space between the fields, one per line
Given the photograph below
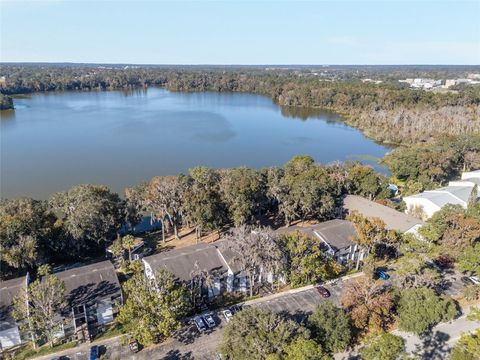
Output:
x=427 y=206
x=470 y=175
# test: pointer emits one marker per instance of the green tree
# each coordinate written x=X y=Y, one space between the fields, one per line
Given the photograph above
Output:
x=26 y=233
x=469 y=260
x=202 y=205
x=362 y=180
x=244 y=192
x=331 y=326
x=304 y=349
x=383 y=346
x=89 y=214
x=468 y=347
x=420 y=309
x=153 y=308
x=305 y=261
x=256 y=333
x=128 y=242
x=39 y=308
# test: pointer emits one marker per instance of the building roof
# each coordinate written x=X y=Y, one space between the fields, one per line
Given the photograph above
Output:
x=90 y=283
x=337 y=233
x=9 y=289
x=393 y=219
x=181 y=262
x=228 y=255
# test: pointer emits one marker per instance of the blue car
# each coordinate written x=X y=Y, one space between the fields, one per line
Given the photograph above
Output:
x=383 y=275
x=94 y=352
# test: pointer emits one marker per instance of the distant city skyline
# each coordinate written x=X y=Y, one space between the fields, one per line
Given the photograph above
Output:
x=246 y=33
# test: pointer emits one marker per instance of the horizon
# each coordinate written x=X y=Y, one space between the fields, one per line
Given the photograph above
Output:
x=242 y=34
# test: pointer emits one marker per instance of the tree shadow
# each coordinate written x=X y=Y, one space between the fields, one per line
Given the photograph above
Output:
x=299 y=316
x=433 y=347
x=176 y=355
x=91 y=293
x=187 y=334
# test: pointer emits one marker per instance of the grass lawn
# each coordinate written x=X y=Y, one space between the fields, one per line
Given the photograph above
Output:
x=28 y=351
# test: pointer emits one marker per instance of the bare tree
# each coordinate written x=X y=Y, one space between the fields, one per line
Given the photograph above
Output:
x=257 y=252
x=163 y=198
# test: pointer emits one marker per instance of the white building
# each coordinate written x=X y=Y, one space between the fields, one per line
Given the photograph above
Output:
x=456 y=193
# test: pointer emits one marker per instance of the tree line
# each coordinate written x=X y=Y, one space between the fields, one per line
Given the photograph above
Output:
x=80 y=222
x=386 y=112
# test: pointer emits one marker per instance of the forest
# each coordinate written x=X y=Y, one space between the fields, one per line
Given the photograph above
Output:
x=386 y=112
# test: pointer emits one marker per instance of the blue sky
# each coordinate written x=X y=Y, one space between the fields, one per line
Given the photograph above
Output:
x=240 y=32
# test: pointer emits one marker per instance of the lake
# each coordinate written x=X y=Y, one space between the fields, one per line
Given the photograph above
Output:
x=55 y=140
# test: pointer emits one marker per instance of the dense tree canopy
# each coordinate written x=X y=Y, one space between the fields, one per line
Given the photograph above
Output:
x=26 y=231
x=89 y=215
x=383 y=346
x=153 y=307
x=331 y=326
x=256 y=333
x=306 y=263
x=420 y=309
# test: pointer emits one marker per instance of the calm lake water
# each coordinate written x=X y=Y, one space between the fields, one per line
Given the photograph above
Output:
x=55 y=140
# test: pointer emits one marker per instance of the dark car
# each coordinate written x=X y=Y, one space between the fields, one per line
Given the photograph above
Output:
x=94 y=352
x=235 y=309
x=382 y=275
x=444 y=262
x=199 y=323
x=323 y=291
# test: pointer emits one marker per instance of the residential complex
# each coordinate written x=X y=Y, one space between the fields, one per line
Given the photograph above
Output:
x=459 y=192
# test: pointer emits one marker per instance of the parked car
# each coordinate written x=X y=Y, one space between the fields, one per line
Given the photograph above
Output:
x=134 y=346
x=199 y=323
x=94 y=352
x=475 y=279
x=227 y=314
x=323 y=291
x=470 y=280
x=444 y=262
x=235 y=308
x=382 y=275
x=208 y=318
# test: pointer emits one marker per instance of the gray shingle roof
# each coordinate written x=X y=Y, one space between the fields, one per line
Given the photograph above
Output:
x=337 y=233
x=9 y=289
x=90 y=283
x=181 y=262
x=394 y=220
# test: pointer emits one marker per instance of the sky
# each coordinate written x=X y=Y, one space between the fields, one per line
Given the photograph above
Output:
x=241 y=32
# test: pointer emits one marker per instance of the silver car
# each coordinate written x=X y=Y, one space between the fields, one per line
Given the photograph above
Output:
x=209 y=320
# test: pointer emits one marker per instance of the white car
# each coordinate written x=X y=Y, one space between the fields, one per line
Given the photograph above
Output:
x=475 y=279
x=227 y=314
x=209 y=320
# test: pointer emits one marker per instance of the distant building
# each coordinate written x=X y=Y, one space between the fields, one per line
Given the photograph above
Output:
x=456 y=193
x=393 y=219
x=10 y=333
